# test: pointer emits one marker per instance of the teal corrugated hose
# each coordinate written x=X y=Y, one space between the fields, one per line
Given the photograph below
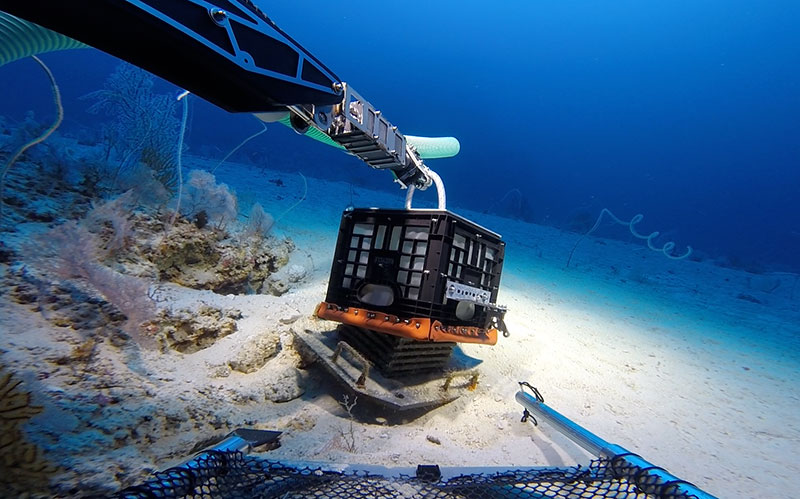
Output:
x=312 y=133
x=435 y=147
x=19 y=38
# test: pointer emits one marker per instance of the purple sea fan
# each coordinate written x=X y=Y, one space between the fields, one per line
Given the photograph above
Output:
x=69 y=251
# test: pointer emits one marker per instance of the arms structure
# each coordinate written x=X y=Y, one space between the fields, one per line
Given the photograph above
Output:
x=231 y=54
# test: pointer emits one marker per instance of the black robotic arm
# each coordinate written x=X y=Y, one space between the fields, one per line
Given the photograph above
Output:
x=231 y=54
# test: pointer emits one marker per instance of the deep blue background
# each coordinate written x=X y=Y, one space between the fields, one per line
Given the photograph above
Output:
x=685 y=111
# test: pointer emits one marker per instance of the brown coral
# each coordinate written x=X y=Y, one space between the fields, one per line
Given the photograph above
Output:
x=23 y=470
x=208 y=258
x=189 y=331
x=203 y=259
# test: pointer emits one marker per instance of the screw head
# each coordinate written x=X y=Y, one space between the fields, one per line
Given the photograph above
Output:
x=218 y=15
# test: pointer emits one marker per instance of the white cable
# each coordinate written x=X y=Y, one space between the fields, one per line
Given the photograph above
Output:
x=409 y=195
x=440 y=193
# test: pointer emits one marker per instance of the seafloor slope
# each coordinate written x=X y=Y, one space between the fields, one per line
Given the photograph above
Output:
x=691 y=365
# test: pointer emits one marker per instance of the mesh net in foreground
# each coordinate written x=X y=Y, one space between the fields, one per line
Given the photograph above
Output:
x=217 y=474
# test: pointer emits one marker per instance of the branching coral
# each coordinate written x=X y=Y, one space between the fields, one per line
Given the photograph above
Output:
x=116 y=212
x=70 y=251
x=203 y=193
x=144 y=127
x=259 y=222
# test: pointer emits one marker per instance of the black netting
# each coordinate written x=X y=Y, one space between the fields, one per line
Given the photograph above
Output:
x=233 y=475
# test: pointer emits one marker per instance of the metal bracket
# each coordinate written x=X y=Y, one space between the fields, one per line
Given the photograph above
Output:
x=463 y=292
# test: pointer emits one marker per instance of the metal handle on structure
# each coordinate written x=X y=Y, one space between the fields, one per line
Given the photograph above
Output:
x=472 y=375
x=647 y=477
x=343 y=345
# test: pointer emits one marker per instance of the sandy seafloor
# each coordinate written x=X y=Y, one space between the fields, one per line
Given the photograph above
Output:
x=673 y=360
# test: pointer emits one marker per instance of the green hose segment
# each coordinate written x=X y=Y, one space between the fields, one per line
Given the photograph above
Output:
x=19 y=39
x=312 y=133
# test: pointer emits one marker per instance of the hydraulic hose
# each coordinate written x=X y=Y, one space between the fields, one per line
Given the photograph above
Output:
x=434 y=147
x=20 y=39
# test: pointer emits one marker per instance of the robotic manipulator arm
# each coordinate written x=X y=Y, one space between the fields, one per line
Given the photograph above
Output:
x=231 y=54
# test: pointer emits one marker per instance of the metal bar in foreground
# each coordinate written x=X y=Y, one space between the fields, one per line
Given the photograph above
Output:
x=625 y=464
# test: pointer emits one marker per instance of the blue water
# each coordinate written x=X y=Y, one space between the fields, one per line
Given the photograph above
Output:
x=687 y=112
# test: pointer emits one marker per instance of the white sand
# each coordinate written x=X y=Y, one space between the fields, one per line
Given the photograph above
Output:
x=661 y=357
